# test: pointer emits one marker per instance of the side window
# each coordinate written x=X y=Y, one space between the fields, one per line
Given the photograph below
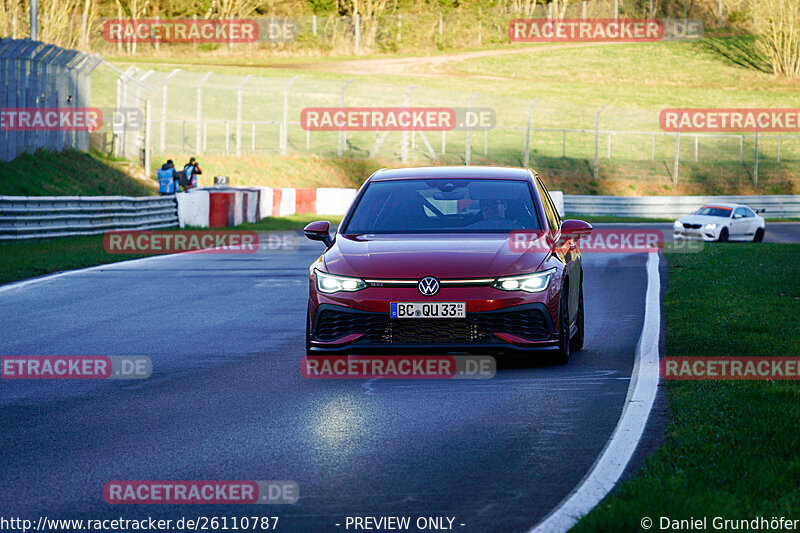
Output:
x=740 y=212
x=549 y=210
x=748 y=213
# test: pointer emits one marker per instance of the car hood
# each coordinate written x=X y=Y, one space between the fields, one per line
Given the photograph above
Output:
x=702 y=219
x=442 y=256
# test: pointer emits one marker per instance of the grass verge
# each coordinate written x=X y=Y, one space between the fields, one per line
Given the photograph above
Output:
x=69 y=173
x=37 y=257
x=731 y=448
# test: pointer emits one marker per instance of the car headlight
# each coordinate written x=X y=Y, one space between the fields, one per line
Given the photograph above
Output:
x=329 y=283
x=529 y=282
x=710 y=226
x=677 y=224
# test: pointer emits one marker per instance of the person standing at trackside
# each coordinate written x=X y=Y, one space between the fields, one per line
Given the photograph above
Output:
x=167 y=180
x=192 y=170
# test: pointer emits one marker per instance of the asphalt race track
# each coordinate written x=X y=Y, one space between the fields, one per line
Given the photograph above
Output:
x=227 y=401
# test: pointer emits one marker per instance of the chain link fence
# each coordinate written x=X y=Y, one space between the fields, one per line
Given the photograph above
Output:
x=199 y=113
x=38 y=75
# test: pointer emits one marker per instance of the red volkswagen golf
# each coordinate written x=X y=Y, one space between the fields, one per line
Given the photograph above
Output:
x=448 y=260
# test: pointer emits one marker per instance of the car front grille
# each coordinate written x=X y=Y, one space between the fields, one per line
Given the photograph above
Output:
x=378 y=328
x=691 y=226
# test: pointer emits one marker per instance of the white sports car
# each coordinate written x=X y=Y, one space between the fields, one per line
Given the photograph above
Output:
x=721 y=222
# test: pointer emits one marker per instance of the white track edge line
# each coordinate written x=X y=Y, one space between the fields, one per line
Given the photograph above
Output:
x=619 y=449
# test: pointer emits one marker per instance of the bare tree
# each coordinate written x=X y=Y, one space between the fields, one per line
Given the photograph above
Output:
x=778 y=34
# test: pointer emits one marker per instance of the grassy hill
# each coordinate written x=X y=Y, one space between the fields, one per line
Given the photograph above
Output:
x=69 y=173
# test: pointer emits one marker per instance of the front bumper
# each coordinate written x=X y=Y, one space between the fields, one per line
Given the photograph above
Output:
x=695 y=234
x=340 y=329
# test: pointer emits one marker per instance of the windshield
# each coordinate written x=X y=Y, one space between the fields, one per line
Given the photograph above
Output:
x=714 y=211
x=444 y=206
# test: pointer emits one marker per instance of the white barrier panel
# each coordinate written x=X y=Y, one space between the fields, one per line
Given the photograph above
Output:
x=193 y=208
x=265 y=202
x=238 y=214
x=334 y=201
x=252 y=206
x=287 y=205
x=558 y=200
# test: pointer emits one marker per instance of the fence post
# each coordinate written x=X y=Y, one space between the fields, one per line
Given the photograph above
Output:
x=468 y=156
x=720 y=12
x=583 y=9
x=404 y=136
x=314 y=25
x=285 y=123
x=158 y=39
x=200 y=111
x=527 y=154
x=148 y=139
x=399 y=27
x=651 y=8
x=755 y=163
x=34 y=4
x=597 y=142
x=230 y=34
x=239 y=114
x=653 y=148
x=616 y=9
x=677 y=155
x=163 y=144
x=357 y=32
x=342 y=132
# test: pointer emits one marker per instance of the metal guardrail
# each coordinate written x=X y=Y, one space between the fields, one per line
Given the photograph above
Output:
x=776 y=206
x=30 y=217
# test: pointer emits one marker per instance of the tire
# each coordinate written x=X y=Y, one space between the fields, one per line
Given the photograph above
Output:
x=576 y=344
x=759 y=236
x=723 y=235
x=562 y=355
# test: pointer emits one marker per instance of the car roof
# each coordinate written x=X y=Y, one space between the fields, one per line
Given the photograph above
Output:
x=724 y=204
x=503 y=173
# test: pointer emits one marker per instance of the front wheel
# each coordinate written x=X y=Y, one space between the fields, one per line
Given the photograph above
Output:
x=723 y=235
x=563 y=353
x=759 y=236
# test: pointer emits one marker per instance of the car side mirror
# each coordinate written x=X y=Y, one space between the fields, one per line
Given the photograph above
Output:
x=575 y=229
x=319 y=231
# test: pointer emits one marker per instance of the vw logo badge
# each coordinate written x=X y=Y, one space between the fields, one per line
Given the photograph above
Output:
x=428 y=286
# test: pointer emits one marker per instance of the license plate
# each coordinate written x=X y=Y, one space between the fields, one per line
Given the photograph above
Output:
x=428 y=310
